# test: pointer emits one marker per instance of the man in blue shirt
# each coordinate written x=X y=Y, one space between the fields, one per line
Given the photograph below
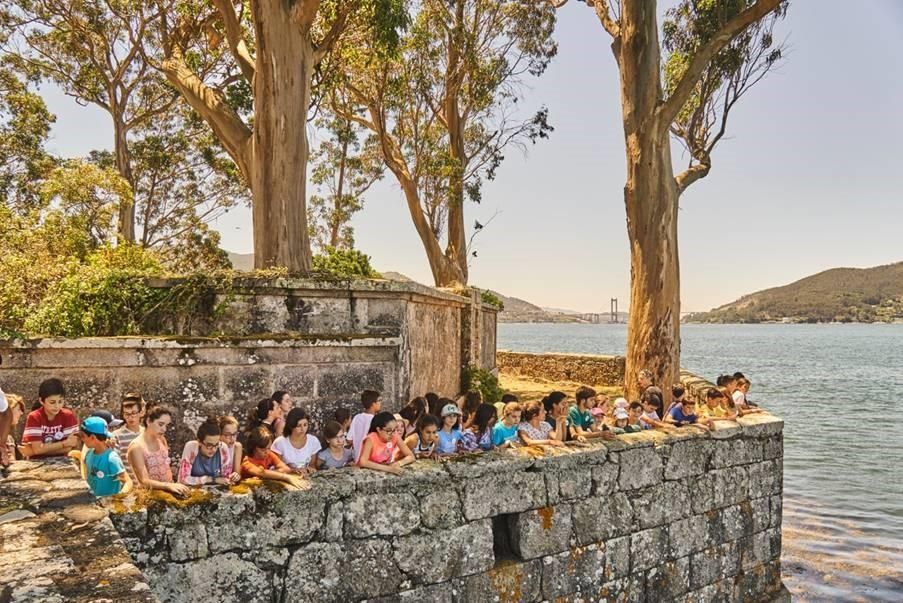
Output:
x=684 y=414
x=104 y=470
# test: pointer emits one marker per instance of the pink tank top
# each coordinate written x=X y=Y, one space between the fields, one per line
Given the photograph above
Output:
x=158 y=467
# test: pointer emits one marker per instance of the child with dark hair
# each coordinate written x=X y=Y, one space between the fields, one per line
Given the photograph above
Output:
x=633 y=418
x=411 y=413
x=507 y=398
x=149 y=454
x=335 y=455
x=360 y=424
x=425 y=438
x=580 y=419
x=678 y=395
x=104 y=471
x=433 y=403
x=684 y=414
x=131 y=411
x=534 y=430
x=650 y=418
x=51 y=429
x=450 y=432
x=342 y=416
x=382 y=446
x=207 y=460
x=714 y=408
x=15 y=410
x=295 y=446
x=266 y=414
x=284 y=400
x=479 y=434
x=556 y=409
x=228 y=434
x=472 y=401
x=262 y=462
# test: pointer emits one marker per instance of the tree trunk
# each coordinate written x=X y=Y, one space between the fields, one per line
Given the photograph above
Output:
x=650 y=197
x=126 y=222
x=282 y=83
x=456 y=247
x=337 y=201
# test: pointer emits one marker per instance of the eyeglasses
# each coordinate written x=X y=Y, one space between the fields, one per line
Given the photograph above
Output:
x=209 y=445
x=387 y=429
x=228 y=435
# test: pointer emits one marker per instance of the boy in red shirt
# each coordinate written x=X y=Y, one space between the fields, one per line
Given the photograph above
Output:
x=50 y=430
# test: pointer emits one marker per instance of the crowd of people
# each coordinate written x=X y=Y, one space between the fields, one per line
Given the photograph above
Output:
x=276 y=443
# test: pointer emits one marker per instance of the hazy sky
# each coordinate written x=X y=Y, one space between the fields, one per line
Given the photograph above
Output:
x=809 y=177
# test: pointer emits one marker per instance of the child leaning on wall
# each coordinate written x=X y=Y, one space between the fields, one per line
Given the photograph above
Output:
x=360 y=424
x=52 y=429
x=262 y=462
x=104 y=470
x=207 y=460
x=383 y=449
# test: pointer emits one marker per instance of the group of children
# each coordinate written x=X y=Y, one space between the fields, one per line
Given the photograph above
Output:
x=277 y=444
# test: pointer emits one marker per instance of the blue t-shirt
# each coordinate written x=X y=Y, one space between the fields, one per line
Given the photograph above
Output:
x=448 y=442
x=501 y=433
x=101 y=470
x=677 y=413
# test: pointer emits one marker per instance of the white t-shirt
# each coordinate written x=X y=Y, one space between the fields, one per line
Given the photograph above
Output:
x=739 y=399
x=3 y=403
x=296 y=457
x=360 y=427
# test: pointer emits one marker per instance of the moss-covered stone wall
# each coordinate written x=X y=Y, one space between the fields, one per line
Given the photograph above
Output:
x=647 y=517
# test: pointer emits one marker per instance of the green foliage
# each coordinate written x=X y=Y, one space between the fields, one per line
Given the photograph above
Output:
x=343 y=263
x=492 y=299
x=477 y=379
x=838 y=295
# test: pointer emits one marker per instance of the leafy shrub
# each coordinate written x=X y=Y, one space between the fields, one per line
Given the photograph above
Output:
x=343 y=263
x=477 y=379
x=492 y=299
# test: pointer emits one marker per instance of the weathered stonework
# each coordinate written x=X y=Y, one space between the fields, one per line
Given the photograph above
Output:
x=579 y=368
x=56 y=542
x=322 y=342
x=600 y=521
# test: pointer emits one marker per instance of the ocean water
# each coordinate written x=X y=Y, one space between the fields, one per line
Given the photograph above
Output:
x=839 y=389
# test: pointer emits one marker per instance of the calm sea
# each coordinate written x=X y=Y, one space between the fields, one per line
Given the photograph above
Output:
x=839 y=389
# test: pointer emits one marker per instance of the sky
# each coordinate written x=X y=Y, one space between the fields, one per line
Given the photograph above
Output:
x=809 y=176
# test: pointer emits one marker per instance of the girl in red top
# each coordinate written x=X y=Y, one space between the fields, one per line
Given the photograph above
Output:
x=383 y=446
x=260 y=461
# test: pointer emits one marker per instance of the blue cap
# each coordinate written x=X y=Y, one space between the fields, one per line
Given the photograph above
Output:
x=95 y=426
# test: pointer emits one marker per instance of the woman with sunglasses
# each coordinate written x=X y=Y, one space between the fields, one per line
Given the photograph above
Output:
x=206 y=460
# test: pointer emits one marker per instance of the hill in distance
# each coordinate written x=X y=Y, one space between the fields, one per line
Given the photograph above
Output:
x=836 y=295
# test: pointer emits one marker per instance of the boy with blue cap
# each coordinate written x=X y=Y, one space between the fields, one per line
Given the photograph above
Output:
x=104 y=470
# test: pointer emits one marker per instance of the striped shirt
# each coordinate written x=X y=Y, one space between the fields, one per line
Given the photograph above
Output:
x=124 y=437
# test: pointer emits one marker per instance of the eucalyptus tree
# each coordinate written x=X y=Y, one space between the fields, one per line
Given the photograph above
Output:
x=259 y=109
x=683 y=86
x=445 y=108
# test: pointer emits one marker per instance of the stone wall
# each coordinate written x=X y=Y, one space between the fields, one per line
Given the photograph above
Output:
x=648 y=517
x=56 y=542
x=577 y=368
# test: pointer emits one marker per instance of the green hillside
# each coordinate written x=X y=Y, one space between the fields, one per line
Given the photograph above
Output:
x=836 y=295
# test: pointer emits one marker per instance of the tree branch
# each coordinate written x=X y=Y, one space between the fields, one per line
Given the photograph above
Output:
x=329 y=40
x=693 y=173
x=669 y=110
x=236 y=40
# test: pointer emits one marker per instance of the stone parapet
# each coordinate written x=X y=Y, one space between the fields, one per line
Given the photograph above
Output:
x=578 y=368
x=647 y=517
x=57 y=543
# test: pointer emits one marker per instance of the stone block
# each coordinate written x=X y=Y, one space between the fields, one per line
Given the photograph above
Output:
x=740 y=452
x=663 y=503
x=639 y=468
x=298 y=380
x=757 y=550
x=703 y=489
x=344 y=381
x=434 y=593
x=688 y=535
x=624 y=590
x=232 y=578
x=617 y=558
x=246 y=384
x=574 y=574
x=188 y=542
x=334 y=527
x=776 y=505
x=440 y=508
x=575 y=484
x=503 y=493
x=381 y=515
x=331 y=572
x=761 y=514
x=719 y=592
x=758 y=583
x=434 y=557
x=669 y=580
x=540 y=532
x=688 y=457
x=605 y=478
x=714 y=564
x=760 y=425
x=766 y=478
x=773 y=447
x=507 y=582
x=493 y=464
x=731 y=486
x=737 y=521
x=602 y=517
x=648 y=548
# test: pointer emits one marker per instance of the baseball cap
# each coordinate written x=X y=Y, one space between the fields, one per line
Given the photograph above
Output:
x=107 y=417
x=621 y=414
x=450 y=409
x=596 y=411
x=621 y=403
x=95 y=426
